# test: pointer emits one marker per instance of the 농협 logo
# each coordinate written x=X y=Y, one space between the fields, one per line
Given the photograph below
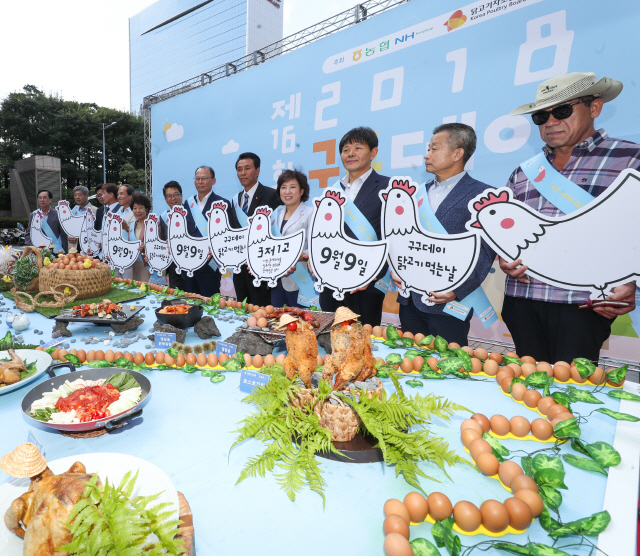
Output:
x=456 y=19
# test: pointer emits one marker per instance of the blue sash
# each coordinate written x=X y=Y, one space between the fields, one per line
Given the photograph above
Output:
x=477 y=299
x=165 y=217
x=307 y=295
x=243 y=219
x=57 y=243
x=201 y=223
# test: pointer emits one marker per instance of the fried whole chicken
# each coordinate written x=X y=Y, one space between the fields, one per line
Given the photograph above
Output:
x=302 y=353
x=10 y=370
x=44 y=510
x=351 y=357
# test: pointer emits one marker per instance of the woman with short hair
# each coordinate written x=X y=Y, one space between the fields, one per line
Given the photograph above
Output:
x=141 y=206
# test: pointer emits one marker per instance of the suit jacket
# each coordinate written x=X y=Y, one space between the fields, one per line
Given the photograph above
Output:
x=100 y=215
x=54 y=224
x=453 y=214
x=263 y=196
x=300 y=220
x=192 y=229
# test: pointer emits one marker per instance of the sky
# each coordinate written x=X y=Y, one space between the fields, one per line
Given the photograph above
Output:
x=80 y=48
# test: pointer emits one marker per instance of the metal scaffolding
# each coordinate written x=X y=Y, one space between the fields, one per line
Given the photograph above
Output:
x=353 y=16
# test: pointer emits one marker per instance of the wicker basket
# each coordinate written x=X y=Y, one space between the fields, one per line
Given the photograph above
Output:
x=34 y=284
x=340 y=420
x=91 y=282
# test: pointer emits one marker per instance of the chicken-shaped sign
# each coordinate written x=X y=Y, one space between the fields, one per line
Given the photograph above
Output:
x=338 y=261
x=228 y=246
x=89 y=236
x=104 y=236
x=122 y=252
x=71 y=224
x=593 y=249
x=270 y=258
x=189 y=253
x=156 y=250
x=424 y=261
x=38 y=237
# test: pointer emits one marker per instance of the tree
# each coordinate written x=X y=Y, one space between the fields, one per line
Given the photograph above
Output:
x=132 y=177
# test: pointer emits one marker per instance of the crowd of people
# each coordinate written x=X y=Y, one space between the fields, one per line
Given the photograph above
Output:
x=545 y=321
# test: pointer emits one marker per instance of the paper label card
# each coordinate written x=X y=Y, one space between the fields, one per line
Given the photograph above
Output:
x=164 y=340
x=228 y=245
x=156 y=250
x=52 y=343
x=225 y=347
x=270 y=258
x=38 y=237
x=250 y=380
x=122 y=252
x=189 y=253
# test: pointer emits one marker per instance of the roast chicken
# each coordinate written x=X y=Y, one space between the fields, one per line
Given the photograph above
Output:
x=351 y=357
x=10 y=370
x=302 y=354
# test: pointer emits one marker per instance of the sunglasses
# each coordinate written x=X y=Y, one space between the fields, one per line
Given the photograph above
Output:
x=561 y=112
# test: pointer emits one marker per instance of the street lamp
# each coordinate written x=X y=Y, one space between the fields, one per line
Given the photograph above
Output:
x=104 y=157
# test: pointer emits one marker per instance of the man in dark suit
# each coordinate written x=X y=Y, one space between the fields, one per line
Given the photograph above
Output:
x=451 y=146
x=51 y=221
x=361 y=184
x=106 y=194
x=172 y=192
x=254 y=195
x=205 y=280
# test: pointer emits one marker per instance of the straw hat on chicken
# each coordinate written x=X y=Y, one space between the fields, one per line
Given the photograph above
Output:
x=284 y=320
x=24 y=462
x=344 y=314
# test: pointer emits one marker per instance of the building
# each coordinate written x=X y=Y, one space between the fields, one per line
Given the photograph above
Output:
x=174 y=40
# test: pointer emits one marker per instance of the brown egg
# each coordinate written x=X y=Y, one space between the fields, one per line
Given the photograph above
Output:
x=517 y=369
x=262 y=322
x=468 y=349
x=480 y=446
x=518 y=391
x=523 y=481
x=407 y=365
x=596 y=377
x=280 y=359
x=138 y=359
x=400 y=333
x=495 y=516
x=487 y=463
x=73 y=351
x=247 y=360
x=528 y=359
x=527 y=369
x=109 y=355
x=497 y=357
x=99 y=355
x=418 y=337
x=252 y=321
x=432 y=362
x=482 y=421
x=223 y=357
x=409 y=335
x=555 y=421
x=504 y=373
x=562 y=363
x=564 y=416
x=269 y=360
x=500 y=425
x=61 y=354
x=395 y=524
x=417 y=363
x=575 y=375
x=467 y=516
x=520 y=426
x=212 y=360
x=481 y=353
x=531 y=499
x=520 y=515
x=512 y=354
x=168 y=360
x=377 y=331
x=555 y=410
x=396 y=545
x=468 y=436
x=54 y=355
x=491 y=367
x=223 y=303
x=117 y=355
x=128 y=356
x=191 y=359
x=149 y=358
x=160 y=357
x=562 y=373
x=508 y=470
x=541 y=429
x=82 y=355
x=257 y=361
x=544 y=367
x=531 y=398
x=270 y=309
x=505 y=384
x=471 y=424
x=319 y=361
x=181 y=360
x=453 y=345
x=201 y=360
x=417 y=506
x=476 y=365
x=395 y=507
x=545 y=403
x=440 y=507
x=367 y=328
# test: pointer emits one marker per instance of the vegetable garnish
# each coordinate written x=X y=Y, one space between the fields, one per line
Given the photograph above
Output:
x=122 y=381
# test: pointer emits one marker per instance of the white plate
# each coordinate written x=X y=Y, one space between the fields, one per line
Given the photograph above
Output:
x=151 y=480
x=42 y=359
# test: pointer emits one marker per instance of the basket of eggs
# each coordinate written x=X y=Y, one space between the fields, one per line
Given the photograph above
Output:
x=89 y=276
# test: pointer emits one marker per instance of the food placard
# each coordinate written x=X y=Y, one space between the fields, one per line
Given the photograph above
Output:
x=156 y=249
x=338 y=261
x=122 y=252
x=189 y=253
x=228 y=246
x=270 y=258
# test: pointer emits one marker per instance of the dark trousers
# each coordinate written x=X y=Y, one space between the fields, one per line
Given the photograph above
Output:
x=175 y=280
x=439 y=324
x=204 y=281
x=554 y=331
x=367 y=304
x=281 y=297
x=243 y=284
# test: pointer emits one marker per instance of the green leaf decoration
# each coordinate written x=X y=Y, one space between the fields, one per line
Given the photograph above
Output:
x=72 y=359
x=100 y=364
x=141 y=367
x=50 y=350
x=215 y=300
x=392 y=333
x=584 y=463
x=440 y=344
x=173 y=352
x=516 y=380
x=217 y=378
x=617 y=415
x=232 y=365
x=562 y=398
x=546 y=521
x=394 y=359
x=546 y=392
x=382 y=374
x=550 y=495
x=589 y=526
x=414 y=383
x=507 y=359
x=539 y=379
x=538 y=549
x=567 y=429
x=123 y=363
x=585 y=362
x=413 y=353
x=583 y=370
x=163 y=367
x=617 y=375
x=526 y=462
x=189 y=368
x=452 y=542
x=622 y=395
x=466 y=359
x=605 y=454
x=447 y=366
x=422 y=547
x=548 y=470
x=577 y=395
x=437 y=531
x=426 y=340
x=580 y=446
x=498 y=449
x=460 y=374
x=208 y=373
x=513 y=548
x=393 y=343
x=429 y=375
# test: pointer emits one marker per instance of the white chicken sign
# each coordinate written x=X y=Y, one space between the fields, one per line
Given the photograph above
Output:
x=270 y=258
x=156 y=250
x=71 y=224
x=424 y=261
x=189 y=253
x=37 y=236
x=593 y=249
x=89 y=236
x=122 y=252
x=228 y=246
x=338 y=261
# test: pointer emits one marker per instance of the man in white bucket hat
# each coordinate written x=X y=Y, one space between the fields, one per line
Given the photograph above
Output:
x=545 y=321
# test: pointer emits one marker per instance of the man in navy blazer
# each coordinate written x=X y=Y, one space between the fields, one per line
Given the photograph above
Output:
x=448 y=195
x=205 y=280
x=361 y=184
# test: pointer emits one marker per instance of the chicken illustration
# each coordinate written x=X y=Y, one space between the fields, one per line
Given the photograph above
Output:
x=424 y=261
x=302 y=351
x=270 y=258
x=456 y=19
x=122 y=252
x=89 y=237
x=38 y=237
x=71 y=224
x=104 y=236
x=541 y=174
x=339 y=262
x=189 y=253
x=156 y=250
x=593 y=249
x=229 y=246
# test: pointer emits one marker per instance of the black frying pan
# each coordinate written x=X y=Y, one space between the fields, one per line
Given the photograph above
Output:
x=186 y=320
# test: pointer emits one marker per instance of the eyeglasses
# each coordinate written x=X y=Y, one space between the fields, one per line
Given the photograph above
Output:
x=561 y=112
x=203 y=179
x=173 y=196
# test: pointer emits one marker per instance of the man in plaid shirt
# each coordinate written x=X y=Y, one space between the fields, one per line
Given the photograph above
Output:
x=544 y=320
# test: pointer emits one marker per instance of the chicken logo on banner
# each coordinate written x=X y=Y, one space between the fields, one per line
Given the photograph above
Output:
x=189 y=253
x=71 y=224
x=89 y=236
x=228 y=246
x=425 y=261
x=593 y=249
x=339 y=262
x=38 y=237
x=156 y=250
x=270 y=258
x=122 y=252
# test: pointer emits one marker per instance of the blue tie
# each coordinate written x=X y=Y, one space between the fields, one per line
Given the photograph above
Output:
x=245 y=207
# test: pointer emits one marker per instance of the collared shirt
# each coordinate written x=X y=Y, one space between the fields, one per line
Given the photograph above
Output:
x=251 y=193
x=352 y=189
x=111 y=207
x=202 y=203
x=594 y=165
x=438 y=191
x=46 y=214
x=78 y=211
